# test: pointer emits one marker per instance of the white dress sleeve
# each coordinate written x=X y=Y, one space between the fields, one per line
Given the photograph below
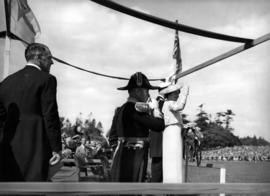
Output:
x=180 y=103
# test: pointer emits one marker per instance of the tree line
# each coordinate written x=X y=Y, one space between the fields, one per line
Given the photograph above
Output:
x=217 y=131
x=89 y=128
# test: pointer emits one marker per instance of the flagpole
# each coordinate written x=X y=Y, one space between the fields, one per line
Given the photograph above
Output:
x=7 y=42
x=176 y=60
x=7 y=56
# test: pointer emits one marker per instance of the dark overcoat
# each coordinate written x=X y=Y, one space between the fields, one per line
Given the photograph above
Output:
x=129 y=164
x=31 y=129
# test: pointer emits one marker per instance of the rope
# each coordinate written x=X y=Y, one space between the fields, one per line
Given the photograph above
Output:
x=11 y=35
x=92 y=72
x=223 y=56
x=169 y=24
x=96 y=73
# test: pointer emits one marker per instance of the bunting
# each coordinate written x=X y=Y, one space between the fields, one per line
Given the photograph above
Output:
x=3 y=25
x=23 y=22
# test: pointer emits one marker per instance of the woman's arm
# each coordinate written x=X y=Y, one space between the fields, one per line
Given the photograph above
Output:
x=181 y=102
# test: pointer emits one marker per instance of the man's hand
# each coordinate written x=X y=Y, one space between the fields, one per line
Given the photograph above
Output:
x=55 y=158
x=142 y=107
x=153 y=104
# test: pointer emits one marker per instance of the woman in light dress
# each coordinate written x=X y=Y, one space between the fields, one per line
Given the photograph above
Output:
x=172 y=138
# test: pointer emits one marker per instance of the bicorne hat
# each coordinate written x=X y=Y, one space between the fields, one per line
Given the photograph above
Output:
x=138 y=80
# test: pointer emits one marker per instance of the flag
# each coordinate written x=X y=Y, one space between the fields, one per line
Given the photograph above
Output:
x=177 y=65
x=23 y=22
x=177 y=54
x=3 y=26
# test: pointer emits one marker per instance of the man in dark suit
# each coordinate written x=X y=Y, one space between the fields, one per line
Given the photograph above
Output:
x=131 y=125
x=31 y=136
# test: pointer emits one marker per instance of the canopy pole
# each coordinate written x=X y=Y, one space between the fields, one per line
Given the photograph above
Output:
x=169 y=24
x=225 y=55
x=6 y=57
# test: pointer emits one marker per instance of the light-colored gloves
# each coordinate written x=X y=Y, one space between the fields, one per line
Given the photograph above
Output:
x=142 y=107
x=55 y=158
x=146 y=107
x=151 y=106
x=186 y=90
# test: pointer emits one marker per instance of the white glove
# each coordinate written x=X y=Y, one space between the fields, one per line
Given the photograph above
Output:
x=142 y=107
x=153 y=104
x=186 y=90
x=55 y=158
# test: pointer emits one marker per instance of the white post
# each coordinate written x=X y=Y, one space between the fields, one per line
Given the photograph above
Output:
x=222 y=178
x=6 y=57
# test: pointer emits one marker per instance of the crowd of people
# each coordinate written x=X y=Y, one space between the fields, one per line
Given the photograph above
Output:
x=238 y=153
x=80 y=146
x=89 y=155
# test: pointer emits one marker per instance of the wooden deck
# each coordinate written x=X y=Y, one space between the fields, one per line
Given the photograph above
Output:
x=86 y=188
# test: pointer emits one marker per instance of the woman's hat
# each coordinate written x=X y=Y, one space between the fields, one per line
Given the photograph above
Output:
x=163 y=85
x=138 y=80
x=171 y=88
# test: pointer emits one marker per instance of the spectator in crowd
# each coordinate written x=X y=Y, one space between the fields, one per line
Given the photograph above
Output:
x=132 y=127
x=31 y=134
x=238 y=153
x=66 y=153
x=193 y=136
x=70 y=144
x=81 y=151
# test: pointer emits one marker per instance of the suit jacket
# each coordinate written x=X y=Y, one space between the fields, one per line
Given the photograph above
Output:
x=32 y=127
x=112 y=135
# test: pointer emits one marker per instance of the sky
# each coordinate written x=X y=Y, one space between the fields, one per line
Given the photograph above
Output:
x=99 y=39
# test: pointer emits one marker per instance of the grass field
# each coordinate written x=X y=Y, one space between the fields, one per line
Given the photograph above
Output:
x=236 y=171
